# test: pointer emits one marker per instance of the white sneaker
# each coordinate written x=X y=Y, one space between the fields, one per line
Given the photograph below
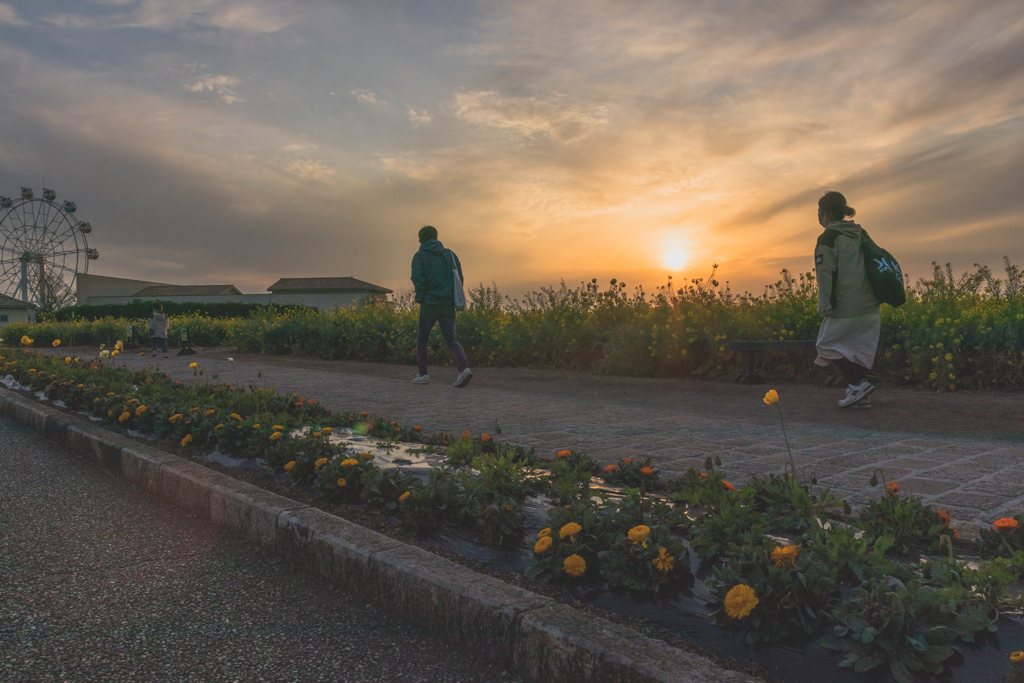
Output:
x=154 y=354
x=863 y=404
x=421 y=379
x=165 y=355
x=854 y=393
x=463 y=378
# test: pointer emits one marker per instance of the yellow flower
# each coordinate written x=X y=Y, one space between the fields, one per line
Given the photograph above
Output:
x=342 y=482
x=110 y=413
x=317 y=433
x=574 y=565
x=663 y=562
x=290 y=466
x=139 y=411
x=277 y=428
x=236 y=416
x=366 y=456
x=740 y=601
x=405 y=496
x=134 y=400
x=275 y=436
x=349 y=462
x=639 y=534
x=949 y=356
x=220 y=426
x=175 y=418
x=543 y=532
x=542 y=544
x=124 y=416
x=570 y=530
x=784 y=556
x=1017 y=657
x=771 y=398
x=209 y=412
x=327 y=430
x=56 y=343
x=187 y=440
x=320 y=463
x=193 y=365
x=256 y=426
x=194 y=410
x=110 y=393
x=68 y=359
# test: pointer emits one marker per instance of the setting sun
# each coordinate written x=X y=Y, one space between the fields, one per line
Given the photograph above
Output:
x=675 y=259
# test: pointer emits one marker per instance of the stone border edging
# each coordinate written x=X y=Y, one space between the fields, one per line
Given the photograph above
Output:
x=539 y=638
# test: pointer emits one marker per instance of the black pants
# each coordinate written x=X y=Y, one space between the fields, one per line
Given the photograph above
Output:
x=430 y=315
x=854 y=373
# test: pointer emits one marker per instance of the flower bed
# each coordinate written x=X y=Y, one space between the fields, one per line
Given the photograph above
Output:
x=784 y=564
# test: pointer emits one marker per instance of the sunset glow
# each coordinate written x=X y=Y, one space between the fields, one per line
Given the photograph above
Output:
x=238 y=141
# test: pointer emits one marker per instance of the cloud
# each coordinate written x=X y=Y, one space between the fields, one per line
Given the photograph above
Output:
x=309 y=169
x=367 y=97
x=410 y=167
x=555 y=116
x=166 y=15
x=417 y=118
x=9 y=16
x=223 y=86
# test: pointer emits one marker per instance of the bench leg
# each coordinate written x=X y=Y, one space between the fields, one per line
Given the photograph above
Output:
x=747 y=374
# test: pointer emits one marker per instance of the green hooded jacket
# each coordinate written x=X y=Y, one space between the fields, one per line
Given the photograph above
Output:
x=432 y=274
x=843 y=287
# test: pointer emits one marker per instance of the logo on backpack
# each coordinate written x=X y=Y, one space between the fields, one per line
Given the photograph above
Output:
x=884 y=273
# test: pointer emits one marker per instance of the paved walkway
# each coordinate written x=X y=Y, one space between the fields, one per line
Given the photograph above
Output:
x=100 y=582
x=958 y=451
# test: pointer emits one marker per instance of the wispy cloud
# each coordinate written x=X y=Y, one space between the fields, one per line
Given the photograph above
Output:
x=9 y=16
x=367 y=97
x=555 y=116
x=417 y=118
x=246 y=17
x=223 y=86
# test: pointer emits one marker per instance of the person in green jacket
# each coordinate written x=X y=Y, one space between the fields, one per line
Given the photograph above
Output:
x=851 y=314
x=434 y=282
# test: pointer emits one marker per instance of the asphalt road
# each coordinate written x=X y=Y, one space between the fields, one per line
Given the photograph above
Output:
x=100 y=582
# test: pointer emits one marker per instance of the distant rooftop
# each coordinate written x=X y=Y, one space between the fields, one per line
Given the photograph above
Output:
x=11 y=302
x=325 y=284
x=189 y=290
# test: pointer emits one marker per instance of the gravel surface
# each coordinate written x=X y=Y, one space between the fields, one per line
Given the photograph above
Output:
x=100 y=582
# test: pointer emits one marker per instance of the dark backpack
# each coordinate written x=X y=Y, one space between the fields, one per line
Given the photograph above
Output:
x=884 y=273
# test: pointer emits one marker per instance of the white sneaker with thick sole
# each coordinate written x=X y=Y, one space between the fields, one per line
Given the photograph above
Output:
x=421 y=379
x=854 y=393
x=154 y=354
x=863 y=404
x=463 y=378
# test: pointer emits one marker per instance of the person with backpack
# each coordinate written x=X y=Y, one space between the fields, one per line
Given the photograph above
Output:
x=850 y=311
x=158 y=329
x=434 y=273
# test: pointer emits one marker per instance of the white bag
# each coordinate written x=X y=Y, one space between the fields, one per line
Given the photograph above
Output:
x=460 y=296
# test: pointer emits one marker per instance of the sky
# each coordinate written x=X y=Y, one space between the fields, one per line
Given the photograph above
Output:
x=237 y=141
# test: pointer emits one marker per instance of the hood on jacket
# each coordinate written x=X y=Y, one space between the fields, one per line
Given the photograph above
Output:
x=432 y=246
x=159 y=315
x=846 y=228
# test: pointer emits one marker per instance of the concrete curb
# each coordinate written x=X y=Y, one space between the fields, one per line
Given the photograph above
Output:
x=539 y=638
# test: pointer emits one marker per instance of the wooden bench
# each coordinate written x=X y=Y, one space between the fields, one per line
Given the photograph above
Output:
x=749 y=350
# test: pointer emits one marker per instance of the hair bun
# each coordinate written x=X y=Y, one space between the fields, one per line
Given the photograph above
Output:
x=850 y=211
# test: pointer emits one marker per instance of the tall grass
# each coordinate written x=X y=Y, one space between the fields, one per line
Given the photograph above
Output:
x=963 y=332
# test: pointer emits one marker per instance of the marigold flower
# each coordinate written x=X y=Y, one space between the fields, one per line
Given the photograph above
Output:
x=663 y=562
x=627 y=461
x=944 y=516
x=703 y=475
x=784 y=556
x=611 y=468
x=570 y=530
x=466 y=434
x=236 y=416
x=639 y=534
x=273 y=437
x=124 y=416
x=728 y=485
x=646 y=471
x=417 y=429
x=277 y=428
x=893 y=487
x=563 y=453
x=320 y=463
x=187 y=440
x=740 y=601
x=193 y=365
x=771 y=398
x=56 y=343
x=574 y=565
x=405 y=495
x=139 y=411
x=68 y=359
x=542 y=544
x=1017 y=657
x=317 y=433
x=366 y=456
x=1005 y=524
x=255 y=426
x=365 y=414
x=290 y=466
x=342 y=483
x=544 y=532
x=327 y=430
x=110 y=413
x=209 y=412
x=349 y=462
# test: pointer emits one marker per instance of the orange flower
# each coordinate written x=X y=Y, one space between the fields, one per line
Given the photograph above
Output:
x=404 y=496
x=365 y=414
x=893 y=487
x=417 y=429
x=1005 y=524
x=611 y=468
x=626 y=461
x=944 y=517
x=784 y=556
x=466 y=435
x=703 y=475
x=646 y=471
x=728 y=486
x=543 y=543
x=563 y=453
x=485 y=437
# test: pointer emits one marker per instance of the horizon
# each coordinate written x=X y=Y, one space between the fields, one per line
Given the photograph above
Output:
x=216 y=141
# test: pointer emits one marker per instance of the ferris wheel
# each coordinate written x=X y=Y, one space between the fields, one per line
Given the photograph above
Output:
x=43 y=248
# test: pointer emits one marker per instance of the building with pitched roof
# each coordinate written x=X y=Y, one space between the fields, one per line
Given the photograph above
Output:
x=326 y=293
x=16 y=311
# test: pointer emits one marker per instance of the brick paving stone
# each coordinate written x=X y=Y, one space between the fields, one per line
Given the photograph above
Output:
x=933 y=443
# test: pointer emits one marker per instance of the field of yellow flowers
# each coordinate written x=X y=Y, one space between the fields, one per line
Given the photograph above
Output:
x=953 y=333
